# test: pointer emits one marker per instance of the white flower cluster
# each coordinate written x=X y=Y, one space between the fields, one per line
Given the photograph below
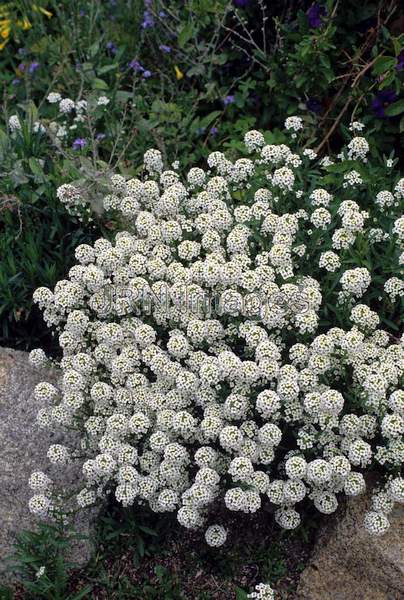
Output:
x=192 y=362
x=263 y=591
x=15 y=126
x=293 y=124
x=72 y=113
x=74 y=200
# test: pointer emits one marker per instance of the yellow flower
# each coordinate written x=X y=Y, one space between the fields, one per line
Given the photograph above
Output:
x=178 y=73
x=9 y=19
x=24 y=24
x=45 y=12
x=5 y=27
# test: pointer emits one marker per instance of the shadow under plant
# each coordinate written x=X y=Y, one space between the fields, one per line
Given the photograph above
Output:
x=143 y=556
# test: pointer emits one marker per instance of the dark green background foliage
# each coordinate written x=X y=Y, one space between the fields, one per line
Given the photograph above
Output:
x=185 y=77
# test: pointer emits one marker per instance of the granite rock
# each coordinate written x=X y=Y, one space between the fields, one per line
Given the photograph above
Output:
x=23 y=448
x=350 y=564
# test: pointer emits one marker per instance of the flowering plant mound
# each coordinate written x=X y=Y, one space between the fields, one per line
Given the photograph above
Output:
x=225 y=347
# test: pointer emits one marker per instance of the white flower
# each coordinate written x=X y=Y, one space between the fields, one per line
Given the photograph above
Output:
x=288 y=518
x=263 y=591
x=356 y=126
x=58 y=454
x=54 y=97
x=396 y=489
x=254 y=140
x=325 y=502
x=66 y=105
x=40 y=505
x=294 y=123
x=37 y=358
x=103 y=101
x=356 y=281
x=352 y=178
x=14 y=123
x=39 y=482
x=40 y=572
x=358 y=147
x=329 y=261
x=215 y=535
x=283 y=178
x=376 y=523
x=153 y=161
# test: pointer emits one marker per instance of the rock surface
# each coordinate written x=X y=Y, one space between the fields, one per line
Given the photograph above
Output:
x=349 y=564
x=23 y=448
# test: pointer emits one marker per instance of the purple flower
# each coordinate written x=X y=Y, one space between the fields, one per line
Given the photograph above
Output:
x=111 y=48
x=82 y=13
x=136 y=66
x=314 y=14
x=33 y=67
x=147 y=74
x=165 y=48
x=100 y=136
x=79 y=144
x=21 y=67
x=381 y=101
x=241 y=3
x=314 y=105
x=148 y=20
x=213 y=131
x=228 y=100
x=16 y=81
x=162 y=14
x=400 y=61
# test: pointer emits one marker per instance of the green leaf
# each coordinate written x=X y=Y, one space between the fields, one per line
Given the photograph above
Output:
x=35 y=167
x=198 y=70
x=140 y=546
x=83 y=594
x=147 y=530
x=93 y=49
x=383 y=64
x=185 y=35
x=342 y=167
x=99 y=84
x=387 y=80
x=206 y=121
x=395 y=109
x=396 y=45
x=160 y=572
x=123 y=96
x=3 y=137
x=107 y=68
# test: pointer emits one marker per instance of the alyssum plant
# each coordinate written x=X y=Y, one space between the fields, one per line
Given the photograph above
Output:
x=191 y=410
